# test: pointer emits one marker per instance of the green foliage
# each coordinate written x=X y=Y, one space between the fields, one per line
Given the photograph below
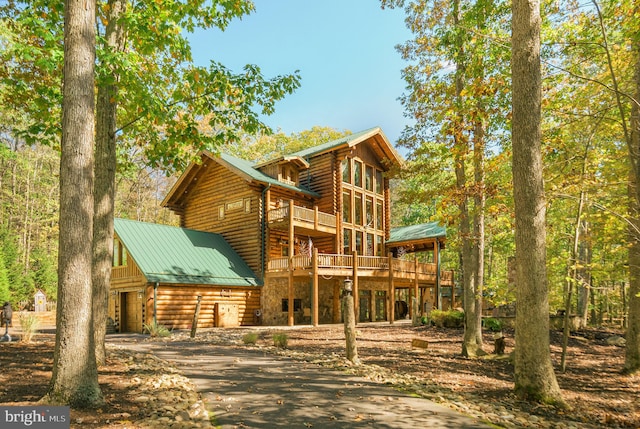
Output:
x=492 y=324
x=280 y=340
x=447 y=319
x=424 y=320
x=250 y=338
x=4 y=280
x=29 y=324
x=154 y=329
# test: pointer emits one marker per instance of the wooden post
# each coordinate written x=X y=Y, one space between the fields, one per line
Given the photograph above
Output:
x=291 y=295
x=415 y=309
x=315 y=217
x=436 y=260
x=194 y=324
x=314 y=279
x=392 y=292
x=350 y=324
x=356 y=304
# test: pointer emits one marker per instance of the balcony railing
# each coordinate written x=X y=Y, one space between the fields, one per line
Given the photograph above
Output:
x=366 y=265
x=302 y=216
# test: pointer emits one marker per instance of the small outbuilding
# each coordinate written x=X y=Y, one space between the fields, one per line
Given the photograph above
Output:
x=160 y=272
x=40 y=301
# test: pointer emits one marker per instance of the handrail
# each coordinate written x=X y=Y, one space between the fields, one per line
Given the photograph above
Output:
x=302 y=214
x=326 y=260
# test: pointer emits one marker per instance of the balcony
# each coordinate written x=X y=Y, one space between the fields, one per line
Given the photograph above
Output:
x=307 y=221
x=366 y=266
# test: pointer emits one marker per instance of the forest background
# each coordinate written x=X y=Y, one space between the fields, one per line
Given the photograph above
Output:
x=587 y=66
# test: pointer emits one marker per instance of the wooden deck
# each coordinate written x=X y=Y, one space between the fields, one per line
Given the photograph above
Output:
x=366 y=266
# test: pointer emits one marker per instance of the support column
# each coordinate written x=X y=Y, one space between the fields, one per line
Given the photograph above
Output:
x=314 y=298
x=392 y=293
x=416 y=291
x=436 y=260
x=291 y=297
x=356 y=293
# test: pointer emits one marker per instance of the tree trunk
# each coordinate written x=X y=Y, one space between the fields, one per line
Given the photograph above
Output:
x=104 y=185
x=75 y=374
x=534 y=376
x=632 y=355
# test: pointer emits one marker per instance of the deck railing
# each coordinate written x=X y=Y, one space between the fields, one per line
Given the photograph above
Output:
x=302 y=214
x=400 y=267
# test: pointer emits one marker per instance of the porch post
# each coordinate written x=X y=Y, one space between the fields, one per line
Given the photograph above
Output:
x=314 y=298
x=291 y=297
x=356 y=300
x=416 y=291
x=436 y=260
x=392 y=292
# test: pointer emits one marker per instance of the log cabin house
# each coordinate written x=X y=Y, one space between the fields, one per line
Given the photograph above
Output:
x=296 y=228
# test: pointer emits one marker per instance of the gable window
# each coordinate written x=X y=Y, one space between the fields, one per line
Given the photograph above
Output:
x=379 y=214
x=379 y=182
x=359 y=239
x=346 y=170
x=369 y=212
x=368 y=178
x=119 y=254
x=357 y=174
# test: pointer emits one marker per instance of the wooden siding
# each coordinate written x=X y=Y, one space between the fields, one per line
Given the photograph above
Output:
x=219 y=192
x=176 y=304
x=320 y=178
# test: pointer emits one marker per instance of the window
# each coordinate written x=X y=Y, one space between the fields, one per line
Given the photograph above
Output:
x=379 y=182
x=357 y=209
x=297 y=305
x=346 y=245
x=368 y=178
x=346 y=170
x=346 y=206
x=370 y=248
x=369 y=212
x=357 y=174
x=379 y=215
x=359 y=242
x=379 y=246
x=119 y=254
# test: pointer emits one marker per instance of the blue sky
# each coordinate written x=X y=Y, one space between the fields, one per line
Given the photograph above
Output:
x=344 y=49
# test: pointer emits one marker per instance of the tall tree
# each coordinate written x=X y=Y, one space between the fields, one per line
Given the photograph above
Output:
x=632 y=354
x=75 y=373
x=534 y=376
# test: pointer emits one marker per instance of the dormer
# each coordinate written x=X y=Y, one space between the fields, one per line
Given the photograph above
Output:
x=285 y=169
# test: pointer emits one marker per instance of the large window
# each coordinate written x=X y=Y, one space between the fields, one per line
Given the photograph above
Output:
x=346 y=206
x=362 y=208
x=357 y=174
x=346 y=170
x=368 y=178
x=357 y=208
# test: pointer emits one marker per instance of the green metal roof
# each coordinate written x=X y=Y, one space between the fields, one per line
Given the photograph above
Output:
x=168 y=254
x=418 y=232
x=248 y=169
x=304 y=153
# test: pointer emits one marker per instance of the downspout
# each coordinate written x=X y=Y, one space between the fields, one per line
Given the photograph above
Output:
x=155 y=303
x=263 y=228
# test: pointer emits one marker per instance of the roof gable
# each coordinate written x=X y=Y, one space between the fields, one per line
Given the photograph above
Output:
x=168 y=254
x=417 y=235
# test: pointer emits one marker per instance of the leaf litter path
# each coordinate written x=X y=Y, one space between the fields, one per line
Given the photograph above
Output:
x=247 y=388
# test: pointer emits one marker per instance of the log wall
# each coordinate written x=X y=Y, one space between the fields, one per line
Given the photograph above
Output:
x=176 y=304
x=226 y=204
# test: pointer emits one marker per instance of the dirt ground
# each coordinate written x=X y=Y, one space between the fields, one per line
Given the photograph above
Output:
x=594 y=387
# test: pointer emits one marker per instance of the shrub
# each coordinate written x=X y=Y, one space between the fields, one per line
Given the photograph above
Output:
x=447 y=319
x=425 y=320
x=250 y=338
x=154 y=329
x=29 y=324
x=493 y=324
x=280 y=340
